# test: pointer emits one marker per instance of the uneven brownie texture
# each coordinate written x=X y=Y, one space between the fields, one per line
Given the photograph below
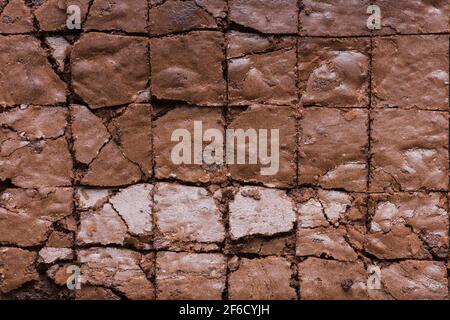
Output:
x=87 y=177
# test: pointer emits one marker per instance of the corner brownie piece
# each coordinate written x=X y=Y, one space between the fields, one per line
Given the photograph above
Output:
x=333 y=148
x=266 y=16
x=189 y=68
x=409 y=150
x=190 y=276
x=411 y=72
x=334 y=72
x=408 y=225
x=261 y=279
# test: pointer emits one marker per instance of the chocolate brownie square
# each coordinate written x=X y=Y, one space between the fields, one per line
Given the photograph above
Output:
x=411 y=72
x=269 y=145
x=334 y=18
x=266 y=16
x=109 y=70
x=126 y=16
x=114 y=149
x=51 y=15
x=413 y=16
x=189 y=68
x=409 y=150
x=34 y=152
x=351 y=17
x=190 y=276
x=27 y=77
x=333 y=148
x=261 y=70
x=415 y=280
x=408 y=225
x=28 y=216
x=260 y=279
x=186 y=217
x=258 y=211
x=180 y=15
x=167 y=142
x=322 y=279
x=330 y=224
x=334 y=72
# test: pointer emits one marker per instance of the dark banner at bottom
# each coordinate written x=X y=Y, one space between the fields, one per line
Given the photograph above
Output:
x=222 y=310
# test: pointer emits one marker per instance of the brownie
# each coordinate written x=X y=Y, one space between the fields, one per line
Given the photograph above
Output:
x=411 y=72
x=27 y=77
x=261 y=72
x=334 y=72
x=40 y=210
x=416 y=280
x=261 y=279
x=116 y=217
x=118 y=269
x=16 y=17
x=330 y=224
x=127 y=16
x=186 y=215
x=115 y=151
x=333 y=148
x=51 y=15
x=408 y=225
x=188 y=67
x=266 y=16
x=413 y=16
x=16 y=268
x=334 y=18
x=349 y=17
x=109 y=70
x=190 y=276
x=173 y=16
x=258 y=211
x=33 y=149
x=409 y=150
x=322 y=279
x=166 y=142
x=277 y=168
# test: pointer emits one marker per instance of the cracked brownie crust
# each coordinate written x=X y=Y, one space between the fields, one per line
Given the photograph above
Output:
x=356 y=202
